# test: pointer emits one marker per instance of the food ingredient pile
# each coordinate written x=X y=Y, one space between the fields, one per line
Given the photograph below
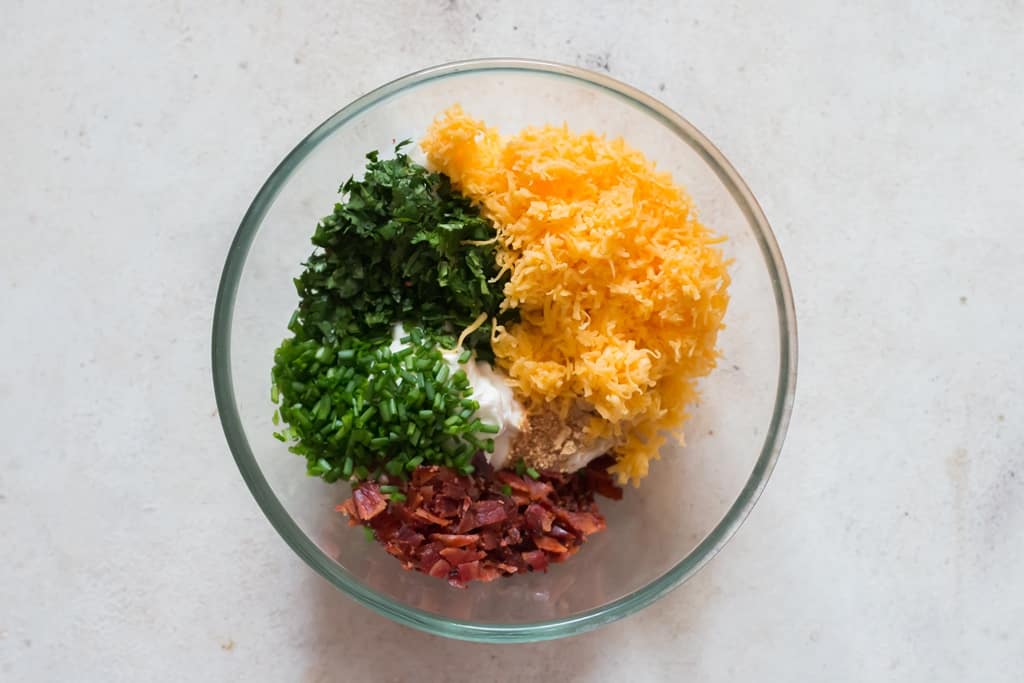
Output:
x=483 y=344
x=593 y=234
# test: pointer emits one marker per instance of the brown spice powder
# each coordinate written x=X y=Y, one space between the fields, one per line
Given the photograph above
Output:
x=548 y=442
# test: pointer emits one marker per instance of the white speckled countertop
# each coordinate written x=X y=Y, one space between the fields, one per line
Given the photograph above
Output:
x=887 y=148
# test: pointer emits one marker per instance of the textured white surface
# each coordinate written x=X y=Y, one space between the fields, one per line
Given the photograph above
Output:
x=887 y=147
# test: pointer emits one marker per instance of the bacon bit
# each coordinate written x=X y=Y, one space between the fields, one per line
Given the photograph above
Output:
x=543 y=521
x=536 y=560
x=424 y=514
x=488 y=574
x=469 y=571
x=386 y=527
x=483 y=513
x=440 y=569
x=431 y=554
x=408 y=536
x=455 y=540
x=453 y=489
x=460 y=555
x=539 y=490
x=539 y=518
x=515 y=482
x=513 y=536
x=599 y=480
x=489 y=540
x=549 y=544
x=349 y=508
x=447 y=507
x=584 y=522
x=534 y=489
x=520 y=498
x=369 y=501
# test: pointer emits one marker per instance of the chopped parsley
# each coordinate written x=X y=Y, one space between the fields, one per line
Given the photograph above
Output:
x=402 y=246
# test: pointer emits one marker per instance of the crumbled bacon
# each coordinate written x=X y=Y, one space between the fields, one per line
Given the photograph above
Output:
x=584 y=522
x=460 y=555
x=536 y=560
x=539 y=518
x=549 y=544
x=440 y=569
x=467 y=571
x=465 y=528
x=600 y=481
x=369 y=501
x=427 y=516
x=482 y=513
x=455 y=540
x=348 y=508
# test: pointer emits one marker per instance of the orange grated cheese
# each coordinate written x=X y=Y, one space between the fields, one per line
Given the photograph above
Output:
x=473 y=327
x=621 y=290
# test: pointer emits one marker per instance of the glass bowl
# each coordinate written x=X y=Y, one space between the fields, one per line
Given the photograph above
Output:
x=660 y=534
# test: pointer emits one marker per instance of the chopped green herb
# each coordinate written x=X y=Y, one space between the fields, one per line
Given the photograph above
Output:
x=363 y=412
x=533 y=474
x=401 y=246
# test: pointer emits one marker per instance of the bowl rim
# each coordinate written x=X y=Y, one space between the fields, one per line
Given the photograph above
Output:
x=305 y=548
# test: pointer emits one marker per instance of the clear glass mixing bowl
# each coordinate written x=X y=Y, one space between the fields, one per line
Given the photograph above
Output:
x=695 y=497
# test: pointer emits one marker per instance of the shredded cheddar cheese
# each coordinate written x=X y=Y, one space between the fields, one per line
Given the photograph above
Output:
x=473 y=327
x=621 y=290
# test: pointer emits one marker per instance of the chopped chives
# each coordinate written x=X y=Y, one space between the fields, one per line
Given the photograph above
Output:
x=441 y=376
x=356 y=410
